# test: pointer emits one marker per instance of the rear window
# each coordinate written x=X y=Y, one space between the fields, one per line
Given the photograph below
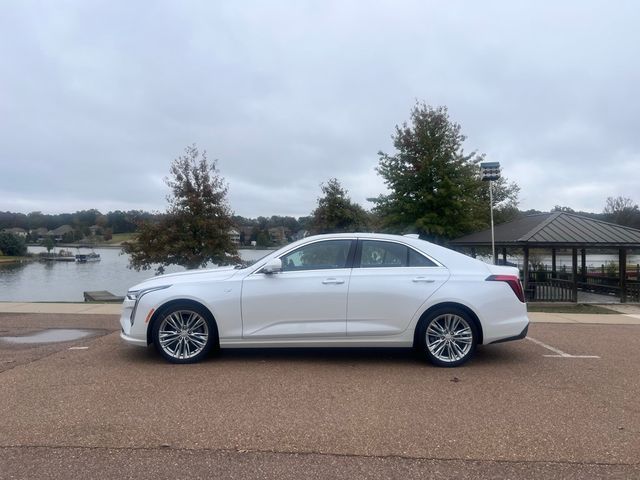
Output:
x=376 y=254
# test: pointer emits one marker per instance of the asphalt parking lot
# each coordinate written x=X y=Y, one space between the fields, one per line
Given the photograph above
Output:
x=563 y=406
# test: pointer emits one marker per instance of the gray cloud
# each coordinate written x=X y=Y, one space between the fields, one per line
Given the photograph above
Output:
x=96 y=98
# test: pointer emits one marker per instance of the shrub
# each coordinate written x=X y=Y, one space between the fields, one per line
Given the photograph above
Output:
x=12 y=245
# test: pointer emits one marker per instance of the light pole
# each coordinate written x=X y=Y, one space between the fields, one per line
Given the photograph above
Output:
x=491 y=171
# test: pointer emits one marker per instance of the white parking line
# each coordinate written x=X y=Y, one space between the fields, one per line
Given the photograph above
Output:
x=559 y=353
x=78 y=348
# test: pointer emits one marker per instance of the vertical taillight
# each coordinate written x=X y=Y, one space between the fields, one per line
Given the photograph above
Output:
x=512 y=280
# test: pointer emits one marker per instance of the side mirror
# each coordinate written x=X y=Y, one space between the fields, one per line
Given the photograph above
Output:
x=272 y=266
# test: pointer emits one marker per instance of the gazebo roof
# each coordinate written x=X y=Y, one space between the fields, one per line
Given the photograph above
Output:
x=558 y=229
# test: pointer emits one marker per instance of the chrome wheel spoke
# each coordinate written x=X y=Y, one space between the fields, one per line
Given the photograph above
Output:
x=457 y=351
x=436 y=329
x=438 y=350
x=454 y=324
x=177 y=348
x=192 y=318
x=198 y=324
x=174 y=322
x=168 y=338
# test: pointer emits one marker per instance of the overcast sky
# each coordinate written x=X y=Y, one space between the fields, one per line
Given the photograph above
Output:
x=97 y=97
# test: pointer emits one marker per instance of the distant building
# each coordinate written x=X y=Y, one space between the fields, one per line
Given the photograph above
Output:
x=278 y=235
x=60 y=232
x=235 y=236
x=39 y=232
x=20 y=232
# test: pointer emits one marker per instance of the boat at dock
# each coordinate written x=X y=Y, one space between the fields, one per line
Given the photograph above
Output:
x=87 y=257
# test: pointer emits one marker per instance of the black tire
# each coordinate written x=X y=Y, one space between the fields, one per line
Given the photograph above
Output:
x=184 y=333
x=447 y=337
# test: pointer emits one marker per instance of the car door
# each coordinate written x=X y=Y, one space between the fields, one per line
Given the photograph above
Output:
x=308 y=298
x=389 y=283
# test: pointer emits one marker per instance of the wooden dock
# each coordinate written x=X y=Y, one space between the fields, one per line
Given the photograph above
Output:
x=102 y=296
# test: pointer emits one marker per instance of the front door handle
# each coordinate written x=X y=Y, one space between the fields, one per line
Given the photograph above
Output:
x=422 y=280
x=332 y=281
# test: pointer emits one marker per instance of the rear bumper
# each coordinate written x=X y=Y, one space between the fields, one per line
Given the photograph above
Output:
x=520 y=336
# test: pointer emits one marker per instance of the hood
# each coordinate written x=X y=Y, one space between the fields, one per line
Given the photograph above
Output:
x=220 y=273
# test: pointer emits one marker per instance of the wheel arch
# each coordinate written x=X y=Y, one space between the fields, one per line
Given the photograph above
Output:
x=181 y=301
x=459 y=306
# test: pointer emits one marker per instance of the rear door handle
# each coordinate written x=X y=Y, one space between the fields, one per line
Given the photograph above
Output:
x=332 y=281
x=422 y=280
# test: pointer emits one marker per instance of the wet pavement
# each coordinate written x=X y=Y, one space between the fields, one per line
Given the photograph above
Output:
x=518 y=410
x=51 y=335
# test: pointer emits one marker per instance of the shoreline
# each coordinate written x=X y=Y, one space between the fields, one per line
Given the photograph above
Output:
x=12 y=260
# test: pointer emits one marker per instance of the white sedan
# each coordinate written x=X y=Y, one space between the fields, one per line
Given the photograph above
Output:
x=342 y=290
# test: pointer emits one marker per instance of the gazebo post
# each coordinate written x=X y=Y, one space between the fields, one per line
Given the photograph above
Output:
x=583 y=265
x=473 y=252
x=623 y=274
x=504 y=255
x=554 y=273
x=525 y=270
x=574 y=267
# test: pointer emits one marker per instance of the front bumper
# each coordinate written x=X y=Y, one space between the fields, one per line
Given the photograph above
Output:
x=133 y=341
x=128 y=333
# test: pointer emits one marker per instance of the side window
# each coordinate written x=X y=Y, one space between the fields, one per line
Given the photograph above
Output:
x=382 y=254
x=417 y=260
x=318 y=256
x=375 y=253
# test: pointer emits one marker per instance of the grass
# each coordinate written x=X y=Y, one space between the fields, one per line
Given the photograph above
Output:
x=8 y=259
x=118 y=238
x=578 y=308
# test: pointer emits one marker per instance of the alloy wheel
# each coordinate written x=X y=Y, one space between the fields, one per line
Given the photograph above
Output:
x=183 y=334
x=449 y=338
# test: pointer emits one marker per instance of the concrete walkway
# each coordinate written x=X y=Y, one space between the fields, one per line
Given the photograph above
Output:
x=71 y=308
x=607 y=319
x=630 y=315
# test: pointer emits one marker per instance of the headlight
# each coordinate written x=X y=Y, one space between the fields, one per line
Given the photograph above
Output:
x=138 y=294
x=133 y=294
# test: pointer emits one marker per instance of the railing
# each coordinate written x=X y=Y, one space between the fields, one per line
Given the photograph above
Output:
x=633 y=292
x=552 y=290
x=542 y=287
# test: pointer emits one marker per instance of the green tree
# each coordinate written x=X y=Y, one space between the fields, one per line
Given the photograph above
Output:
x=336 y=212
x=48 y=243
x=263 y=239
x=12 y=245
x=195 y=229
x=434 y=187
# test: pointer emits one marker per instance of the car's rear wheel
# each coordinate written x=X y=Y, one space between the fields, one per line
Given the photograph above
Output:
x=184 y=333
x=448 y=337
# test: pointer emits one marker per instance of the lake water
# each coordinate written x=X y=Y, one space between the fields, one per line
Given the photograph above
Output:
x=66 y=281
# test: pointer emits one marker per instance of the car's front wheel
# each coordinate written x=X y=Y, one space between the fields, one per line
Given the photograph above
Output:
x=448 y=337
x=184 y=333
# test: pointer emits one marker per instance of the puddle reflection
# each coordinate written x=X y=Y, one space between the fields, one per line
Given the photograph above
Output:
x=49 y=336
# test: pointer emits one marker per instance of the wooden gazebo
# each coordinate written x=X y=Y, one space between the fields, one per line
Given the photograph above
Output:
x=561 y=230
